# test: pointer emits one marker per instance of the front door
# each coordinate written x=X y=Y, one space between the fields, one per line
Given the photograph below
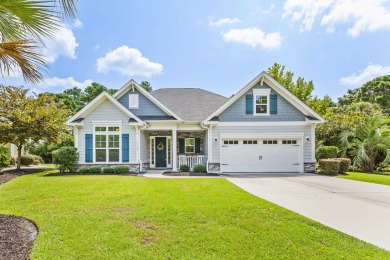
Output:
x=161 y=152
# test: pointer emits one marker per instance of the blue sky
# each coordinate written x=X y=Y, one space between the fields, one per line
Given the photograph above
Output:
x=220 y=45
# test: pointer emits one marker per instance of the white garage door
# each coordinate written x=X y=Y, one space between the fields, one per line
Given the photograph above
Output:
x=260 y=155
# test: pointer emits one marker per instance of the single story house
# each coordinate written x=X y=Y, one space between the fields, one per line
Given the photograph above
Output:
x=262 y=128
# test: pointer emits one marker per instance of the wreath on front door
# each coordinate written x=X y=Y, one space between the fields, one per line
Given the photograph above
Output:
x=160 y=146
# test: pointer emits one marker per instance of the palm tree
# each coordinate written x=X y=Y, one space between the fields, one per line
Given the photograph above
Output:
x=23 y=23
x=369 y=144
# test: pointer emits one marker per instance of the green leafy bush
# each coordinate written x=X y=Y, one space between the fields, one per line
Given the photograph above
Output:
x=4 y=157
x=120 y=169
x=12 y=161
x=329 y=166
x=108 y=170
x=27 y=160
x=95 y=169
x=326 y=152
x=345 y=163
x=185 y=168
x=84 y=170
x=199 y=168
x=67 y=159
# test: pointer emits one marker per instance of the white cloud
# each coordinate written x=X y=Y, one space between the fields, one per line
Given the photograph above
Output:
x=364 y=15
x=77 y=23
x=224 y=21
x=372 y=71
x=62 y=44
x=254 y=37
x=97 y=47
x=260 y=11
x=128 y=61
x=64 y=83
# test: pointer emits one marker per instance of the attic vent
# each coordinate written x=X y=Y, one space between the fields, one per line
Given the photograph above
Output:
x=133 y=101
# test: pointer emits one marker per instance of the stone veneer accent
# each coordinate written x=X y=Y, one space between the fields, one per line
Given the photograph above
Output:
x=214 y=167
x=133 y=167
x=309 y=167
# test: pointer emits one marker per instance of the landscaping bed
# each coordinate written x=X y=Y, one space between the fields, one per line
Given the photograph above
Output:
x=9 y=174
x=168 y=173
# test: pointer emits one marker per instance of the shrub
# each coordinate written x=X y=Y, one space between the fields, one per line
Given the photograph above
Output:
x=344 y=164
x=67 y=159
x=185 y=168
x=4 y=157
x=329 y=166
x=326 y=152
x=199 y=168
x=95 y=169
x=108 y=170
x=120 y=169
x=12 y=161
x=27 y=160
x=84 y=170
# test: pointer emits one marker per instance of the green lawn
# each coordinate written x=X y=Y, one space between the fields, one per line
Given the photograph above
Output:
x=123 y=217
x=367 y=177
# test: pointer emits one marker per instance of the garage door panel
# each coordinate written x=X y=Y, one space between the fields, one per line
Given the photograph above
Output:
x=261 y=157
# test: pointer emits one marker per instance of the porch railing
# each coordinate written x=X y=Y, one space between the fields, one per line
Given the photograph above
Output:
x=191 y=161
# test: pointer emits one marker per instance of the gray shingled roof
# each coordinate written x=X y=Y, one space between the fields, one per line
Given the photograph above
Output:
x=152 y=118
x=190 y=104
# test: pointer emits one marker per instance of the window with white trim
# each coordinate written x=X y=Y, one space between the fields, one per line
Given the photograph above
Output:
x=189 y=145
x=249 y=142
x=133 y=101
x=289 y=142
x=261 y=101
x=107 y=144
x=270 y=141
x=230 y=142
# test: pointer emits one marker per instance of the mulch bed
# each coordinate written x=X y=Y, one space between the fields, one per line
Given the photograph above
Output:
x=189 y=174
x=17 y=235
x=7 y=175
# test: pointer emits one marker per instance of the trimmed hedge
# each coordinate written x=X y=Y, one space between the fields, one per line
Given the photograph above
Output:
x=199 y=168
x=108 y=170
x=344 y=164
x=326 y=152
x=95 y=169
x=27 y=160
x=185 y=168
x=329 y=166
x=120 y=169
x=67 y=159
x=84 y=170
x=4 y=157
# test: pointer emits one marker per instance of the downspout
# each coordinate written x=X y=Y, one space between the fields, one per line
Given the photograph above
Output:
x=144 y=126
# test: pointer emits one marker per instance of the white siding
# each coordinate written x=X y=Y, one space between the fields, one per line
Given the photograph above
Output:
x=217 y=130
x=106 y=111
x=144 y=147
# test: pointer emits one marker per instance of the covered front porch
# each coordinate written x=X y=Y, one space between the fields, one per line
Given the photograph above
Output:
x=172 y=149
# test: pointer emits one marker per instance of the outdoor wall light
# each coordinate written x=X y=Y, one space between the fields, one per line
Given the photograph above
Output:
x=215 y=140
x=307 y=139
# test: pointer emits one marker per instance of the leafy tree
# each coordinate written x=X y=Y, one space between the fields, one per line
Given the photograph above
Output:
x=25 y=117
x=300 y=88
x=4 y=157
x=369 y=143
x=23 y=24
x=45 y=149
x=146 y=85
x=344 y=118
x=94 y=90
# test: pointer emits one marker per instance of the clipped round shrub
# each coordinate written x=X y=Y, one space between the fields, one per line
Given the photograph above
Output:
x=326 y=152
x=27 y=160
x=345 y=163
x=84 y=170
x=185 y=168
x=121 y=169
x=329 y=166
x=95 y=169
x=108 y=170
x=4 y=157
x=12 y=161
x=199 y=168
x=67 y=159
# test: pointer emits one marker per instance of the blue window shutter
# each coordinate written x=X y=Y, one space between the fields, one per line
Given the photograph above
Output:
x=249 y=104
x=273 y=104
x=88 y=148
x=125 y=148
x=197 y=145
x=182 y=145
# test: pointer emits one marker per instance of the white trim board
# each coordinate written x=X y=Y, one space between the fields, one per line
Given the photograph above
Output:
x=268 y=123
x=261 y=135
x=133 y=83
x=265 y=77
x=96 y=102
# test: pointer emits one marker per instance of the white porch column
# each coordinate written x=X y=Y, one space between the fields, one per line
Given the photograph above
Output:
x=210 y=143
x=174 y=150
x=76 y=136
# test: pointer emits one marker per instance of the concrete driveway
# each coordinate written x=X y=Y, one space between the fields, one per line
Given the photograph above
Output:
x=356 y=208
